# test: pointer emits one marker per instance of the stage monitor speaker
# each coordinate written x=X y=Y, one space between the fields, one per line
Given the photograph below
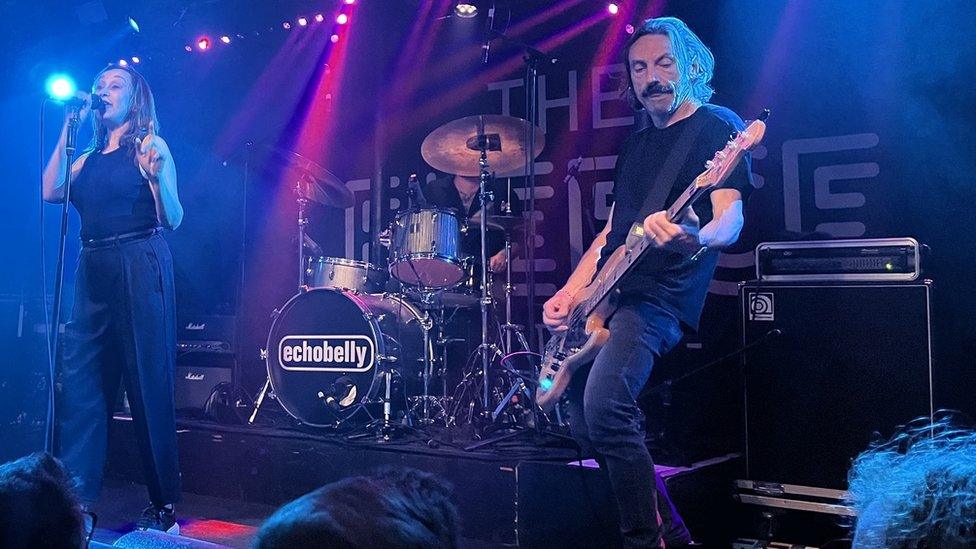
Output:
x=850 y=360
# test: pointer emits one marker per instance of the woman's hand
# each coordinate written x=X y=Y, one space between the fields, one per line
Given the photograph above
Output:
x=152 y=154
x=85 y=111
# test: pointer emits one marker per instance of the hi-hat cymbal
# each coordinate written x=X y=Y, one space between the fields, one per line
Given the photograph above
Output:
x=499 y=222
x=454 y=147
x=313 y=181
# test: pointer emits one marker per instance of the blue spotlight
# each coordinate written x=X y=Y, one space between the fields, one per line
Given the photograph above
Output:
x=133 y=24
x=60 y=86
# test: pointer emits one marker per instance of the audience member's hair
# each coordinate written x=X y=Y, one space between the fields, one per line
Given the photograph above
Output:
x=392 y=509
x=37 y=505
x=917 y=490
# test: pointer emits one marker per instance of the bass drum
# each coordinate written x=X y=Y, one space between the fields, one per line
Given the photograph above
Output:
x=329 y=350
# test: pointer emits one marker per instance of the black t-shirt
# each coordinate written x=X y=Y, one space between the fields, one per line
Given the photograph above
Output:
x=111 y=196
x=663 y=277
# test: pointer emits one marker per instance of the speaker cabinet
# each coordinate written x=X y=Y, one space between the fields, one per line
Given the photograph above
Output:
x=849 y=361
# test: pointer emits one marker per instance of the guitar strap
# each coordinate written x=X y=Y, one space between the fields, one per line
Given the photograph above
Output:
x=665 y=179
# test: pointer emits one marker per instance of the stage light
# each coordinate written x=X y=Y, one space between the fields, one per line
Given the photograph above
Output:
x=342 y=19
x=225 y=39
x=136 y=60
x=629 y=29
x=302 y=21
x=187 y=48
x=613 y=8
x=60 y=86
x=465 y=10
x=334 y=38
x=319 y=18
x=349 y=2
x=133 y=24
x=203 y=43
x=286 y=25
x=123 y=63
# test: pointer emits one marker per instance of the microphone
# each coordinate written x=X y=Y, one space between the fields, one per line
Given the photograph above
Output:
x=339 y=394
x=489 y=26
x=415 y=192
x=94 y=101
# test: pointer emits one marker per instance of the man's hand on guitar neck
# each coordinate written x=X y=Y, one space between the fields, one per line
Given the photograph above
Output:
x=679 y=237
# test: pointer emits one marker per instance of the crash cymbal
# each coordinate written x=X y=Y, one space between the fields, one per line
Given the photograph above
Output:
x=314 y=182
x=455 y=146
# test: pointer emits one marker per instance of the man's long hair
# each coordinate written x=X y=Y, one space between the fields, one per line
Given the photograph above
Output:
x=917 y=490
x=141 y=116
x=696 y=64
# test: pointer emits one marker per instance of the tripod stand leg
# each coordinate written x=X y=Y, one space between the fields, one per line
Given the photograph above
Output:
x=257 y=405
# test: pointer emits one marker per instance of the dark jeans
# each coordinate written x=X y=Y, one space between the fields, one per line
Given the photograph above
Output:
x=608 y=424
x=123 y=327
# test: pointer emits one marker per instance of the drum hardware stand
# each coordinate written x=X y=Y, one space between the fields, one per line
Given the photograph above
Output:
x=484 y=143
x=302 y=222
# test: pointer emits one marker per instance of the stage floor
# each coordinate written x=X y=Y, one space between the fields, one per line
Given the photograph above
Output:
x=235 y=476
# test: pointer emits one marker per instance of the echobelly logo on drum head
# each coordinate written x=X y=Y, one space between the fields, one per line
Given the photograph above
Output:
x=326 y=353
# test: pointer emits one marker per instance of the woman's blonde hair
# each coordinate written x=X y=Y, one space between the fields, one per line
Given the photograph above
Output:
x=141 y=116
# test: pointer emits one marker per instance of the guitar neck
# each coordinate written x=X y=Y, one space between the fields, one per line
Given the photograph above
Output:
x=634 y=248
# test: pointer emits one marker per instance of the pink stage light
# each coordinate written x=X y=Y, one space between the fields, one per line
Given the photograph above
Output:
x=319 y=18
x=342 y=19
x=613 y=8
x=302 y=21
x=203 y=43
x=286 y=25
x=349 y=2
x=629 y=29
x=334 y=38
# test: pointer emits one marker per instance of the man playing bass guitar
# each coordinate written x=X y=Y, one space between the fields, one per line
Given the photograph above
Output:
x=669 y=70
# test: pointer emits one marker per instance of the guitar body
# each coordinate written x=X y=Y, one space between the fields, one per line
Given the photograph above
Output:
x=587 y=331
x=570 y=349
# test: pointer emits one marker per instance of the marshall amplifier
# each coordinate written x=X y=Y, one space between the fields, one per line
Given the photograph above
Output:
x=848 y=361
x=875 y=259
x=206 y=357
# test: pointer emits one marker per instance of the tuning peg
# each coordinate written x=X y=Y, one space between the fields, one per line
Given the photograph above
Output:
x=709 y=164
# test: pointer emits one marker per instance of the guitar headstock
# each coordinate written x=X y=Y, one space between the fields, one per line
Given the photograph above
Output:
x=717 y=169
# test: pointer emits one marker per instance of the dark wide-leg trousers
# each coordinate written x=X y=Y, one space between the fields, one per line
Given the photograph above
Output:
x=123 y=328
x=608 y=424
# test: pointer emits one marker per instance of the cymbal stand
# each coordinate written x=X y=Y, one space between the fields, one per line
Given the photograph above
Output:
x=302 y=222
x=484 y=143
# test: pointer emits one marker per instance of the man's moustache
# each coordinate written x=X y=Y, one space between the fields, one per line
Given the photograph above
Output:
x=651 y=91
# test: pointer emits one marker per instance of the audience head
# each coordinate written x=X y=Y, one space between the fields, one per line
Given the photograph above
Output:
x=391 y=509
x=37 y=506
x=917 y=490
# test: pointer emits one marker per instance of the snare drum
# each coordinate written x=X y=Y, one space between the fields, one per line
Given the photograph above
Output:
x=426 y=249
x=344 y=274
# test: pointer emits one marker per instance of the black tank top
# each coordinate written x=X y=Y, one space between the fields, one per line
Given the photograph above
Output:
x=112 y=197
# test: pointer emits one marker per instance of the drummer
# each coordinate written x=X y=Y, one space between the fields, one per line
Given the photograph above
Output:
x=460 y=194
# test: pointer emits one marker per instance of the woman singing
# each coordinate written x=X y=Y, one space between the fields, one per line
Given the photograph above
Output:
x=123 y=322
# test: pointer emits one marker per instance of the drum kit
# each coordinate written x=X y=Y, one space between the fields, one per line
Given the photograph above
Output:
x=365 y=347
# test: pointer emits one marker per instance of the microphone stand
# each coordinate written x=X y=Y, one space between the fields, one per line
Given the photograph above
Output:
x=70 y=146
x=533 y=58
